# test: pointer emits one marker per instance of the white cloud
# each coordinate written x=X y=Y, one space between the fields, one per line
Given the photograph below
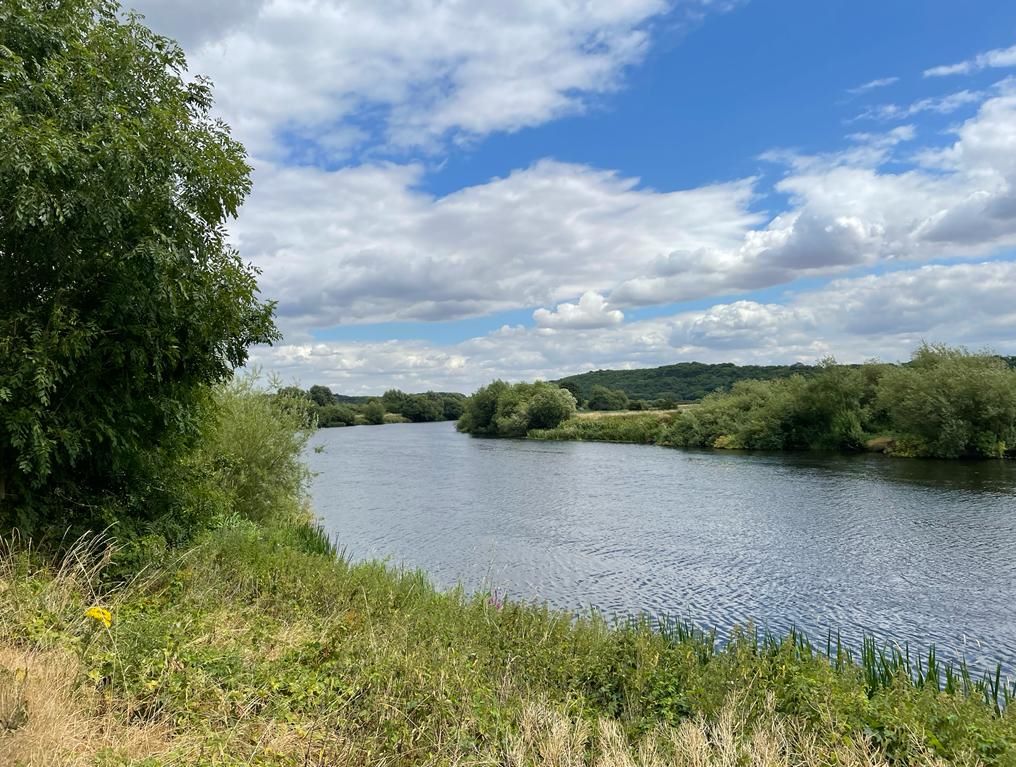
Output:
x=942 y=105
x=884 y=316
x=591 y=311
x=426 y=69
x=994 y=59
x=315 y=79
x=868 y=150
x=195 y=22
x=882 y=82
x=366 y=244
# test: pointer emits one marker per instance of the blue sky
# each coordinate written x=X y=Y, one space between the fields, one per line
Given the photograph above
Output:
x=449 y=192
x=707 y=102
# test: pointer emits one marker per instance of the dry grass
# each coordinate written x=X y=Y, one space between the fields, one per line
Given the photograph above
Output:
x=48 y=719
x=548 y=738
x=49 y=715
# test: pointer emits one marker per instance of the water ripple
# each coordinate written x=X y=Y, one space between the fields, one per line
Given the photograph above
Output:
x=912 y=551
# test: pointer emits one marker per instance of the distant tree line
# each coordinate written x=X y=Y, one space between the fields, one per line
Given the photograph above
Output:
x=666 y=387
x=944 y=403
x=330 y=410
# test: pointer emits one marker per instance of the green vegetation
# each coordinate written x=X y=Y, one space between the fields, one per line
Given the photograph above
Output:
x=255 y=644
x=121 y=303
x=258 y=646
x=944 y=403
x=673 y=384
x=328 y=409
x=221 y=628
x=639 y=428
x=512 y=410
x=602 y=398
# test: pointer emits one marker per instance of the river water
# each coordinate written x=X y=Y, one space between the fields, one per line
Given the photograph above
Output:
x=912 y=551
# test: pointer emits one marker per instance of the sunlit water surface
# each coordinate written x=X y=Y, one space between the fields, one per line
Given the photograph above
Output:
x=912 y=551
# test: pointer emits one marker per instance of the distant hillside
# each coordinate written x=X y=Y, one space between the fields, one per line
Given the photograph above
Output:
x=683 y=382
x=686 y=381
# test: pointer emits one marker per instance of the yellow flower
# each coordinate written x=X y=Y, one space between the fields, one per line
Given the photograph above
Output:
x=100 y=615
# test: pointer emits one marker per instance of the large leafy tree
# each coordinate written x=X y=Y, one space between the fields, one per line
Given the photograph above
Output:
x=121 y=301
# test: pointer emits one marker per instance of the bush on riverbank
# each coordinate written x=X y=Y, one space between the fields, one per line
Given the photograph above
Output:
x=512 y=410
x=946 y=403
x=121 y=301
x=260 y=647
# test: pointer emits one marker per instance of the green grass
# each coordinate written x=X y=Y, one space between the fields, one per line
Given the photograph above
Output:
x=260 y=646
x=636 y=427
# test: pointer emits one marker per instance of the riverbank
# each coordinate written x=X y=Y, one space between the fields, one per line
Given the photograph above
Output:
x=643 y=428
x=945 y=403
x=653 y=428
x=258 y=646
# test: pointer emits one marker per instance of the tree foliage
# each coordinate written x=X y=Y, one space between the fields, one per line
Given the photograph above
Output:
x=511 y=410
x=120 y=299
x=945 y=403
x=602 y=398
x=374 y=412
x=951 y=403
x=321 y=395
x=422 y=408
x=682 y=382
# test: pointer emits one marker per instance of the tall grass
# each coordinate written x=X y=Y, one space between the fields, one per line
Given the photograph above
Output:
x=260 y=646
x=639 y=428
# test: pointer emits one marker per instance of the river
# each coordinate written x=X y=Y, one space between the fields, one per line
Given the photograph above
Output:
x=912 y=551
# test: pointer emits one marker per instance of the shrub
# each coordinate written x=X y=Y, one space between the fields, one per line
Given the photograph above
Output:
x=507 y=410
x=640 y=428
x=949 y=403
x=336 y=415
x=602 y=398
x=374 y=412
x=479 y=410
x=251 y=450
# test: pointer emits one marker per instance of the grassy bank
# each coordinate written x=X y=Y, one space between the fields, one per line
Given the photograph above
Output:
x=647 y=428
x=258 y=647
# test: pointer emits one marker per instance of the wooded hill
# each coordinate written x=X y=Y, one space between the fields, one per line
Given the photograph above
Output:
x=686 y=381
x=682 y=382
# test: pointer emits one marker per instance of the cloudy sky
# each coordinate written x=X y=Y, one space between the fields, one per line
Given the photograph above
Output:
x=449 y=191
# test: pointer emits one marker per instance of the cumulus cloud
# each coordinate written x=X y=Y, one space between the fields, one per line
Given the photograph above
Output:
x=884 y=316
x=364 y=244
x=891 y=216
x=425 y=69
x=591 y=311
x=317 y=82
x=994 y=59
x=195 y=22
